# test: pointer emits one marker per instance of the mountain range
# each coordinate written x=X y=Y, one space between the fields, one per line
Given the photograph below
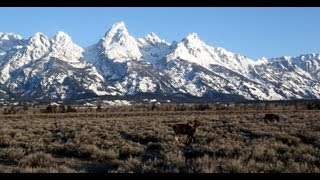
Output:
x=120 y=65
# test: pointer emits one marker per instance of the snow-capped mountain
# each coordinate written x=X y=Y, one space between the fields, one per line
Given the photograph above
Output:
x=118 y=45
x=118 y=59
x=193 y=49
x=42 y=67
x=153 y=48
x=291 y=77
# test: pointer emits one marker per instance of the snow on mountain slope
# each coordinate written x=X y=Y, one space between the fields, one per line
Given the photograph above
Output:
x=199 y=81
x=291 y=77
x=287 y=83
x=64 y=49
x=56 y=79
x=247 y=87
x=132 y=77
x=8 y=42
x=307 y=65
x=118 y=45
x=119 y=65
x=25 y=70
x=153 y=48
x=193 y=49
x=34 y=48
x=191 y=78
x=142 y=77
x=128 y=71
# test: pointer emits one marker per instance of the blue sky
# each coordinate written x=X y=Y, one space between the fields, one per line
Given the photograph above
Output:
x=254 y=32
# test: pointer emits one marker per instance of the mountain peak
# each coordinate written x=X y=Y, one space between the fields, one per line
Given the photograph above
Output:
x=193 y=38
x=64 y=49
x=9 y=36
x=61 y=38
x=38 y=39
x=119 y=45
x=37 y=35
x=118 y=33
x=119 y=25
x=61 y=34
x=117 y=29
x=261 y=61
x=153 y=38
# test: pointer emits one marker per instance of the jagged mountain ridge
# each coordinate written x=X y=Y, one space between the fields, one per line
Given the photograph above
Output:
x=121 y=65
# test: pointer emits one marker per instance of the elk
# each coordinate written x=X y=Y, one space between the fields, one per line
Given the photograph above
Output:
x=271 y=117
x=188 y=129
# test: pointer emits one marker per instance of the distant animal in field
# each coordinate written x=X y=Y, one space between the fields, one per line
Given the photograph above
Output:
x=271 y=117
x=187 y=129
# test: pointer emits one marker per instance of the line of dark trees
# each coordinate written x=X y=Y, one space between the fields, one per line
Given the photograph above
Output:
x=58 y=109
x=276 y=106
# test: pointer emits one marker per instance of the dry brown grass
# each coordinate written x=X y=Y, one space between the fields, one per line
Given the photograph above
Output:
x=234 y=139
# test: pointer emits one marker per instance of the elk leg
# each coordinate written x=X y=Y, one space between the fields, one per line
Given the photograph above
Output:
x=189 y=139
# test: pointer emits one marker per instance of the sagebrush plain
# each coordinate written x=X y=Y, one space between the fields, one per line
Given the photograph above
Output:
x=233 y=138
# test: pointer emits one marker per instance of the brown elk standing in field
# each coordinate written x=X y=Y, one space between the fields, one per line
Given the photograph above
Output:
x=188 y=129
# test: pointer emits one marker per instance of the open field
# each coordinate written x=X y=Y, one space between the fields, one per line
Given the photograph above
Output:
x=129 y=139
